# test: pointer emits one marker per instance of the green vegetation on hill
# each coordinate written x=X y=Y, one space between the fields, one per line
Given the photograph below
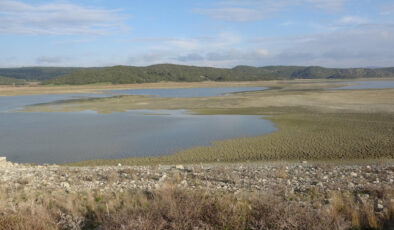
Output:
x=320 y=72
x=11 y=81
x=36 y=73
x=170 y=72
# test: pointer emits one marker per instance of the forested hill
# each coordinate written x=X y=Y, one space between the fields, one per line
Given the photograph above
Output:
x=11 y=81
x=36 y=73
x=170 y=72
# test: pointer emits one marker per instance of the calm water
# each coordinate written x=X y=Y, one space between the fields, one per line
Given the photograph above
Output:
x=368 y=85
x=68 y=137
x=186 y=92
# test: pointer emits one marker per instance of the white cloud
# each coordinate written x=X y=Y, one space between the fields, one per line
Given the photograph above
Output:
x=233 y=14
x=332 y=5
x=364 y=45
x=263 y=52
x=359 y=46
x=72 y=41
x=349 y=20
x=57 y=18
x=218 y=41
x=387 y=8
x=287 y=23
x=184 y=43
x=244 y=11
x=51 y=59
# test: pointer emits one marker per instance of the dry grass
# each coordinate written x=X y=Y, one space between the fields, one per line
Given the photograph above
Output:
x=171 y=207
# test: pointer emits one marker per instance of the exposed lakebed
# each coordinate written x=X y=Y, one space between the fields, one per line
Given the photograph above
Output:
x=75 y=136
x=61 y=137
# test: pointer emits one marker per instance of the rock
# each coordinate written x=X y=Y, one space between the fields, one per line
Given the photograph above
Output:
x=163 y=178
x=3 y=160
x=119 y=164
x=353 y=174
x=70 y=222
x=180 y=167
x=65 y=185
x=378 y=205
x=304 y=162
x=363 y=198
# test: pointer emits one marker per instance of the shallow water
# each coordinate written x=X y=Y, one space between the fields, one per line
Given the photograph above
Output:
x=186 y=92
x=368 y=85
x=76 y=136
x=67 y=137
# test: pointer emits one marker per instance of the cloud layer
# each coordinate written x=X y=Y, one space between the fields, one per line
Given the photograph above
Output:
x=362 y=45
x=56 y=18
x=223 y=33
x=244 y=11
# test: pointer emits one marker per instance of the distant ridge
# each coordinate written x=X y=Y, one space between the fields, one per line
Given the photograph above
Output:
x=171 y=72
x=36 y=73
x=183 y=73
x=11 y=81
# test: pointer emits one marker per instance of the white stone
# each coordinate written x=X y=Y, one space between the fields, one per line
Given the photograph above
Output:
x=180 y=167
x=65 y=185
x=379 y=207
x=163 y=178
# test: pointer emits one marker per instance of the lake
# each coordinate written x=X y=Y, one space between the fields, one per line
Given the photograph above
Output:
x=76 y=136
x=186 y=92
x=368 y=85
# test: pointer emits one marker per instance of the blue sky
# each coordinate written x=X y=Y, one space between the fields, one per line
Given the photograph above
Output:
x=226 y=33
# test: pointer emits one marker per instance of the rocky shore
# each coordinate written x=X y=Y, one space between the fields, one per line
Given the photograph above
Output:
x=294 y=178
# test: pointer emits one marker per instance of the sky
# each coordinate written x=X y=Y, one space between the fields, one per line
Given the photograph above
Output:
x=223 y=33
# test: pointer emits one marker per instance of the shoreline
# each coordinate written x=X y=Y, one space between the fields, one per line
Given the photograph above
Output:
x=36 y=89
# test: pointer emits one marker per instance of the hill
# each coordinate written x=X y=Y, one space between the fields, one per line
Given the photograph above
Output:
x=36 y=73
x=320 y=72
x=11 y=81
x=171 y=72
